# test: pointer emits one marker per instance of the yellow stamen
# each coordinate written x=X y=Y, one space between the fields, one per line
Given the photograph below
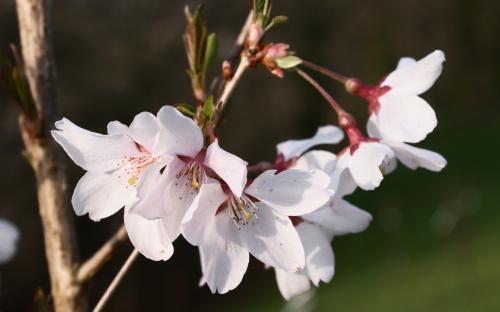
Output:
x=195 y=183
x=132 y=181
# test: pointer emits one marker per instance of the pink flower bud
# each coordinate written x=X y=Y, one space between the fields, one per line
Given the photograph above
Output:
x=277 y=50
x=255 y=33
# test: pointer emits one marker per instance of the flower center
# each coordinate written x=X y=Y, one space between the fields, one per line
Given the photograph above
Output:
x=242 y=210
x=133 y=167
x=195 y=173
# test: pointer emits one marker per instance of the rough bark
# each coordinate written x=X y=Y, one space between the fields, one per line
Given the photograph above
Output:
x=54 y=208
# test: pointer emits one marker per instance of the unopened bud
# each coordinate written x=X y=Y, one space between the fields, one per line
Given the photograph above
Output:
x=277 y=50
x=346 y=121
x=255 y=33
x=352 y=85
x=227 y=70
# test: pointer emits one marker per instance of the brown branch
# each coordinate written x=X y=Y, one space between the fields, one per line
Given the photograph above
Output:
x=88 y=269
x=44 y=156
x=116 y=281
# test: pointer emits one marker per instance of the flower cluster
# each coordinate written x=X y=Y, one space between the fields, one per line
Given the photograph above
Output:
x=170 y=181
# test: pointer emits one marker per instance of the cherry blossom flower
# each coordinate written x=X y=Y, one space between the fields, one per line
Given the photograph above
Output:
x=395 y=106
x=115 y=165
x=169 y=194
x=317 y=229
x=228 y=227
x=9 y=236
x=412 y=157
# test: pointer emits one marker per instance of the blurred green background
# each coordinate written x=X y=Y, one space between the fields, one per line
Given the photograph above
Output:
x=433 y=244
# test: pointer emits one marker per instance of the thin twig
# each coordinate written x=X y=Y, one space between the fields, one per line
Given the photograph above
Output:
x=322 y=91
x=329 y=73
x=90 y=267
x=116 y=281
x=235 y=52
x=229 y=88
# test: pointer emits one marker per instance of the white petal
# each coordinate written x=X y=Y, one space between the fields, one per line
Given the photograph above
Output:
x=291 y=284
x=342 y=181
x=231 y=168
x=149 y=237
x=200 y=218
x=413 y=157
x=144 y=130
x=224 y=260
x=292 y=192
x=372 y=127
x=317 y=160
x=324 y=135
x=151 y=192
x=340 y=217
x=93 y=151
x=365 y=164
x=390 y=164
x=9 y=236
x=101 y=194
x=320 y=262
x=405 y=61
x=272 y=239
x=167 y=196
x=180 y=135
x=405 y=117
x=419 y=76
x=116 y=127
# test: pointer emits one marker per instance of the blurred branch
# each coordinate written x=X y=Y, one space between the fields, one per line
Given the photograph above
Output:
x=116 y=281
x=88 y=269
x=55 y=212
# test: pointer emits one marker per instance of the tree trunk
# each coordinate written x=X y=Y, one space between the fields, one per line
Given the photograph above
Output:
x=55 y=211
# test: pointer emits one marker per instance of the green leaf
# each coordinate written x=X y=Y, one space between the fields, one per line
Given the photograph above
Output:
x=186 y=109
x=212 y=46
x=288 y=61
x=277 y=20
x=209 y=108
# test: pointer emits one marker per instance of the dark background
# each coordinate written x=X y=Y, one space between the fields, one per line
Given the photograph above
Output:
x=433 y=244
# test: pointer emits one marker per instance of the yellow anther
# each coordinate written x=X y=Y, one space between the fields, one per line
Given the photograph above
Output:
x=132 y=181
x=194 y=182
x=248 y=215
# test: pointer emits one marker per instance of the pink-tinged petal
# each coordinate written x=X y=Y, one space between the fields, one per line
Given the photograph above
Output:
x=292 y=192
x=180 y=135
x=291 y=284
x=272 y=238
x=9 y=236
x=320 y=262
x=167 y=196
x=93 y=151
x=224 y=260
x=324 y=135
x=405 y=117
x=317 y=160
x=199 y=220
x=419 y=76
x=340 y=217
x=151 y=192
x=101 y=194
x=149 y=237
x=413 y=157
x=144 y=130
x=231 y=168
x=116 y=127
x=365 y=164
